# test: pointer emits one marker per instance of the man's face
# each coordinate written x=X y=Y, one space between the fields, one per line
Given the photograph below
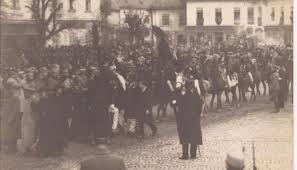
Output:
x=30 y=75
x=55 y=72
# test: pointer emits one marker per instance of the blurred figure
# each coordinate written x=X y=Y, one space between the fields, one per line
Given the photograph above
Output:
x=144 y=107
x=103 y=161
x=235 y=158
x=10 y=116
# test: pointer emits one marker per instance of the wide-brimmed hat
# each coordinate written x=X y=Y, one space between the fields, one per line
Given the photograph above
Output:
x=235 y=157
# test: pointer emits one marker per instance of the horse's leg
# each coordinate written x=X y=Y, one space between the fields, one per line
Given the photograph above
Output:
x=258 y=88
x=212 y=99
x=239 y=93
x=227 y=95
x=264 y=86
x=219 y=101
x=165 y=109
x=158 y=111
x=253 y=93
x=243 y=95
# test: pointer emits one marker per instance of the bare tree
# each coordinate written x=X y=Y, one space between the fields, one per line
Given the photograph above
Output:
x=4 y=10
x=46 y=14
x=136 y=24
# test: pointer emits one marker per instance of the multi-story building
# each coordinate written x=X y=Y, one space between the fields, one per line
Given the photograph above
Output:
x=18 y=29
x=219 y=20
x=279 y=21
x=183 y=20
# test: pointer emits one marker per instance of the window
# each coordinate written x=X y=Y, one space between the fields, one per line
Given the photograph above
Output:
x=282 y=16
x=88 y=5
x=259 y=16
x=71 y=8
x=182 y=19
x=236 y=16
x=251 y=15
x=291 y=16
x=272 y=14
x=16 y=4
x=218 y=16
x=165 y=20
x=200 y=18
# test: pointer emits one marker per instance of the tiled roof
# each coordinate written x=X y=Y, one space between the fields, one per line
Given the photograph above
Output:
x=167 y=4
x=133 y=4
x=146 y=4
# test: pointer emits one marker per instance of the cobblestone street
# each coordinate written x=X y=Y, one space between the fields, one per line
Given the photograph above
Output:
x=271 y=132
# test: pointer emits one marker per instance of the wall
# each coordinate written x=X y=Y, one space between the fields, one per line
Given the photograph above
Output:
x=227 y=12
x=277 y=4
x=174 y=19
x=114 y=18
x=80 y=10
x=70 y=36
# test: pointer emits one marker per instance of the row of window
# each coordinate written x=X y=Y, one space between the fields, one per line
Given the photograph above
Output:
x=16 y=5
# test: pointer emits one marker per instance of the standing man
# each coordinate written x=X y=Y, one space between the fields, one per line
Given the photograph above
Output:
x=275 y=88
x=143 y=104
x=188 y=120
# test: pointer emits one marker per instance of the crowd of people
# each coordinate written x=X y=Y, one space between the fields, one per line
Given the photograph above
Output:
x=86 y=93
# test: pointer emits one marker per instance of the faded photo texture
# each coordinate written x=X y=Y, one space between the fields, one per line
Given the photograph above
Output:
x=146 y=84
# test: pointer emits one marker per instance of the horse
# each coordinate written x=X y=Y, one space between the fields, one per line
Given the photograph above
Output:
x=245 y=81
x=257 y=78
x=217 y=81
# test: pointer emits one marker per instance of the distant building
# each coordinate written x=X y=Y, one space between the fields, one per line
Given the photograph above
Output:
x=279 y=22
x=184 y=20
x=18 y=29
x=218 y=20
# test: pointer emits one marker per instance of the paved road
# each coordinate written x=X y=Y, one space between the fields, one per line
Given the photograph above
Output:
x=272 y=134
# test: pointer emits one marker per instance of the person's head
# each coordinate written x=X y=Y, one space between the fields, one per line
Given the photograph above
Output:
x=103 y=149
x=55 y=70
x=143 y=84
x=235 y=158
x=30 y=74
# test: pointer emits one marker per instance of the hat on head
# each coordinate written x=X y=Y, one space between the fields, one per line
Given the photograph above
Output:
x=103 y=149
x=235 y=157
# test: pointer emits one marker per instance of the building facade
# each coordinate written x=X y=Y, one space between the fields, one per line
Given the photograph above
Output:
x=18 y=29
x=279 y=22
x=184 y=20
x=218 y=20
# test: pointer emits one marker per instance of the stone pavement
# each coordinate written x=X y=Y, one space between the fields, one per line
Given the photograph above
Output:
x=271 y=132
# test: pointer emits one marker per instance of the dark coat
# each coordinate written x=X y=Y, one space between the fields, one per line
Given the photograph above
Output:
x=143 y=103
x=103 y=162
x=52 y=125
x=188 y=118
x=101 y=93
x=10 y=119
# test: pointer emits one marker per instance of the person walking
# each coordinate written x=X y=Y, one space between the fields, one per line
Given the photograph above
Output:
x=188 y=120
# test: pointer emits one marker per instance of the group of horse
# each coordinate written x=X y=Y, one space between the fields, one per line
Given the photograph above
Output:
x=213 y=80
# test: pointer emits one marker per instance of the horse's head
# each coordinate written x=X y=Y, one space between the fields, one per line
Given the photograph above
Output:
x=180 y=81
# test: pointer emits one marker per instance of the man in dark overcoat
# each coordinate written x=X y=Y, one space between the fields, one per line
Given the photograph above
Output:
x=188 y=120
x=101 y=99
x=275 y=88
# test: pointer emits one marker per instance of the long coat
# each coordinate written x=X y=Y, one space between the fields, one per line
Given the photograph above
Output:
x=188 y=118
x=101 y=92
x=10 y=119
